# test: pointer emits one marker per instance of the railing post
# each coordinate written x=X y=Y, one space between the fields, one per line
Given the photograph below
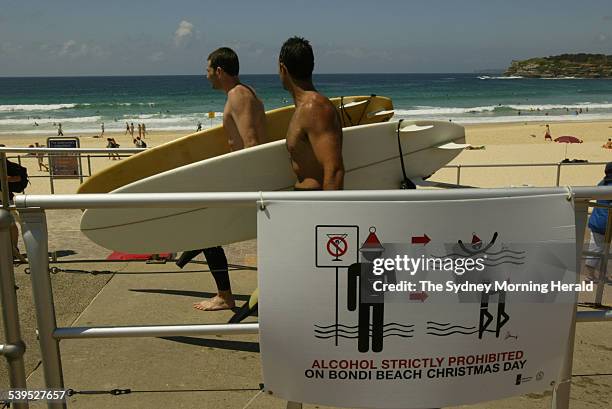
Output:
x=558 y=173
x=35 y=237
x=562 y=389
x=603 y=264
x=89 y=164
x=4 y=187
x=14 y=348
x=458 y=174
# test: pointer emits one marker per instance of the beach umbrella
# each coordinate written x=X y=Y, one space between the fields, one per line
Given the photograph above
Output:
x=567 y=140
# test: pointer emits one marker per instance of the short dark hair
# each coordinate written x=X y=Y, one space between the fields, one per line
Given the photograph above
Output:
x=225 y=58
x=296 y=54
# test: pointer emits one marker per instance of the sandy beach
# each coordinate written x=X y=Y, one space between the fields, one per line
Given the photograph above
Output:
x=511 y=143
x=516 y=143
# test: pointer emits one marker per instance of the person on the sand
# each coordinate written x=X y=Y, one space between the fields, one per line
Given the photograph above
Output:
x=547 y=135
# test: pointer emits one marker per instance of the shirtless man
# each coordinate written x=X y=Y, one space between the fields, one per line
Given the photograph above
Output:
x=244 y=117
x=244 y=121
x=314 y=137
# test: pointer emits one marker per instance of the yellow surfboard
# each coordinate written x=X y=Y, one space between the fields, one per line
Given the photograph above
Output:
x=353 y=110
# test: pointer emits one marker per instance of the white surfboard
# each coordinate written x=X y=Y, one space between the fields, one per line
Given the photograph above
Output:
x=371 y=161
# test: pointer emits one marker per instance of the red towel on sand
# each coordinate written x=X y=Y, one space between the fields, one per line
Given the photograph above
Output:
x=117 y=255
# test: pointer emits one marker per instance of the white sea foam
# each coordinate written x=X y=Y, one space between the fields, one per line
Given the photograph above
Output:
x=84 y=130
x=428 y=110
x=163 y=118
x=522 y=118
x=45 y=121
x=35 y=107
x=510 y=77
x=431 y=110
x=577 y=105
x=536 y=118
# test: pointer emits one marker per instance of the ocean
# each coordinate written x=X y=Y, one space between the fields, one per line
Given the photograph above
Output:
x=35 y=105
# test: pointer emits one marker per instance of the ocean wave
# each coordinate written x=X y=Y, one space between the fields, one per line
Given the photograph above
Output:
x=161 y=118
x=529 y=118
x=127 y=104
x=429 y=110
x=73 y=105
x=510 y=77
x=576 y=105
x=35 y=107
x=167 y=119
x=96 y=130
x=45 y=121
x=433 y=110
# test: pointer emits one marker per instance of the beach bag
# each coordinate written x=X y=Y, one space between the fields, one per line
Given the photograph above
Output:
x=15 y=169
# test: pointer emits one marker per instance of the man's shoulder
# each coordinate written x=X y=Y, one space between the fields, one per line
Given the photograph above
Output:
x=241 y=92
x=319 y=103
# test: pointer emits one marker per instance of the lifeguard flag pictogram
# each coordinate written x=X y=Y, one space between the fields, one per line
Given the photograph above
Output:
x=372 y=243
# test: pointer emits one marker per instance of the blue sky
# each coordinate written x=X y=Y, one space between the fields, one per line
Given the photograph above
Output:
x=133 y=37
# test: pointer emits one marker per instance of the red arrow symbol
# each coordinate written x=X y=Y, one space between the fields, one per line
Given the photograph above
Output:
x=422 y=296
x=421 y=239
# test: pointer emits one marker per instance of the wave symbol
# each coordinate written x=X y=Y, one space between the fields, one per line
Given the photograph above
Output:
x=392 y=329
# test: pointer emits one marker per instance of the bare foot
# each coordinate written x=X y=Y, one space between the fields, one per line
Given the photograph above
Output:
x=217 y=303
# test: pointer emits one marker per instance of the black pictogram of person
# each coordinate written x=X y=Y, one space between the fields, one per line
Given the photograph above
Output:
x=485 y=316
x=365 y=298
x=502 y=317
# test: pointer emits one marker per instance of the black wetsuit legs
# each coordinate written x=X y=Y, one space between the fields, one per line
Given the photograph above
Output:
x=217 y=262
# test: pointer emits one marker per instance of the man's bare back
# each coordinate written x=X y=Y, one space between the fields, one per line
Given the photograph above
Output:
x=314 y=137
x=314 y=141
x=243 y=118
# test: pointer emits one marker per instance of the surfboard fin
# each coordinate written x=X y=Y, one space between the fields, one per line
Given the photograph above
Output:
x=453 y=145
x=354 y=103
x=384 y=112
x=415 y=128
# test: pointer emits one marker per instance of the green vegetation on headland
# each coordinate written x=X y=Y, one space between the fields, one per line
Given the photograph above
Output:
x=564 y=65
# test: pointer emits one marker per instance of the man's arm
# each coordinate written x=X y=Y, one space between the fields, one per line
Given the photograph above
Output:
x=325 y=136
x=243 y=112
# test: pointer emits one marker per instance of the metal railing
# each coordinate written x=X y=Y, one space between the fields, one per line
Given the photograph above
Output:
x=32 y=211
x=57 y=152
x=558 y=165
x=126 y=152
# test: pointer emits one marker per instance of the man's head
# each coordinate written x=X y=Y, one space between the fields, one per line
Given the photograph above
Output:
x=296 y=61
x=221 y=64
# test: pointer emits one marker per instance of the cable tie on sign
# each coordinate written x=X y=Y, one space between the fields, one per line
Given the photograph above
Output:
x=555 y=386
x=262 y=205
x=570 y=193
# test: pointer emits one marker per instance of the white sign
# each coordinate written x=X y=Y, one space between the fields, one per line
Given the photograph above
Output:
x=415 y=305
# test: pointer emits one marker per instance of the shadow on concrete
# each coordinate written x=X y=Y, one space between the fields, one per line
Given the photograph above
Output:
x=217 y=343
x=63 y=253
x=187 y=293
